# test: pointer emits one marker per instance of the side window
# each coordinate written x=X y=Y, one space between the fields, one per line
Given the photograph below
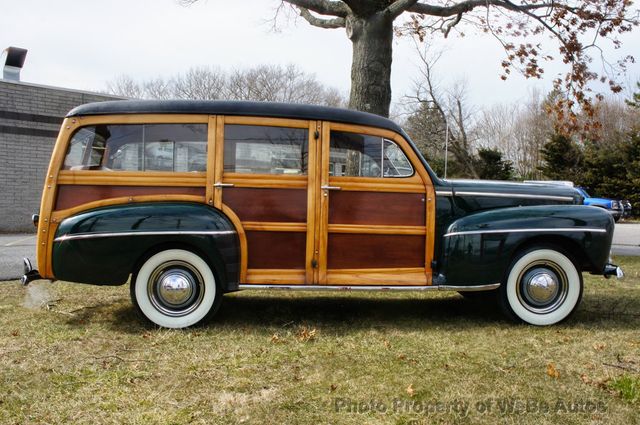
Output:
x=360 y=155
x=139 y=147
x=256 y=149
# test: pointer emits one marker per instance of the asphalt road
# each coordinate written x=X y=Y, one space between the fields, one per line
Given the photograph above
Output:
x=626 y=241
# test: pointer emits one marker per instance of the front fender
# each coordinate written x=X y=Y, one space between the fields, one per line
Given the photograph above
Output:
x=104 y=246
x=478 y=249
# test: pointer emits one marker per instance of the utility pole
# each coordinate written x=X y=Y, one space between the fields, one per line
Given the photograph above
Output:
x=446 y=144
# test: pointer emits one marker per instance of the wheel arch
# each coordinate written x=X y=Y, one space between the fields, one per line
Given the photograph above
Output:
x=104 y=246
x=563 y=244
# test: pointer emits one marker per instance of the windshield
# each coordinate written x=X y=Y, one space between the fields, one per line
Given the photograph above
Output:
x=583 y=192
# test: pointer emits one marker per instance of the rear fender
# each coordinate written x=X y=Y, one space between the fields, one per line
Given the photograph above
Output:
x=104 y=246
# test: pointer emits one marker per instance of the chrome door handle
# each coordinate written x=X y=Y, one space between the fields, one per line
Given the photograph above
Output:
x=219 y=184
x=327 y=187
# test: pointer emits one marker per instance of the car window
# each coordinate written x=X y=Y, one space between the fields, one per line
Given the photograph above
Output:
x=361 y=155
x=256 y=149
x=139 y=147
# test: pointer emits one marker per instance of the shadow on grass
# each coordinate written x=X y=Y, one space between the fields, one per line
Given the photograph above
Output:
x=355 y=313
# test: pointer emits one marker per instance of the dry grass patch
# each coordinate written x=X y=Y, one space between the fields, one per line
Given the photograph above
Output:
x=79 y=354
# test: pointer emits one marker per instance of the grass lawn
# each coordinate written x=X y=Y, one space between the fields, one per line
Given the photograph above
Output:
x=79 y=354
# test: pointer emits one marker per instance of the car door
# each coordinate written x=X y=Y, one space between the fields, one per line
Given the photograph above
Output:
x=376 y=209
x=261 y=182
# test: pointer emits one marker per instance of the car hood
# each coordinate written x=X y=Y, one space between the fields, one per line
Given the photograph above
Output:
x=600 y=200
x=505 y=189
x=479 y=195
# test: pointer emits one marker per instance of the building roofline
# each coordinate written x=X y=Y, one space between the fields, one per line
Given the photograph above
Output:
x=44 y=86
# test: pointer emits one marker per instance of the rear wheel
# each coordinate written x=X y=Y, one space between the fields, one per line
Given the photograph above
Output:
x=175 y=288
x=542 y=287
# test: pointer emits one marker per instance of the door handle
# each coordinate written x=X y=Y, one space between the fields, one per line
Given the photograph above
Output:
x=219 y=184
x=327 y=187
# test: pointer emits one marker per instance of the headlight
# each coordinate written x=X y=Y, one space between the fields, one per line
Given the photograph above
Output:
x=615 y=205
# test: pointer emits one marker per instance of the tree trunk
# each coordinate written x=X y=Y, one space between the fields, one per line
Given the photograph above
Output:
x=372 y=38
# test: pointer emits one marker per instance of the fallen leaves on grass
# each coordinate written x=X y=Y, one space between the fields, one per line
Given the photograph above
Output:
x=410 y=390
x=277 y=339
x=305 y=334
x=599 y=346
x=552 y=371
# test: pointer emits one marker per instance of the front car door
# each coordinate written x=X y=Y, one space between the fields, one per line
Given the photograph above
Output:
x=376 y=215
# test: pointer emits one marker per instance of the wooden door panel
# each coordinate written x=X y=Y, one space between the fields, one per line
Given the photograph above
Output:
x=362 y=251
x=402 y=209
x=276 y=250
x=267 y=204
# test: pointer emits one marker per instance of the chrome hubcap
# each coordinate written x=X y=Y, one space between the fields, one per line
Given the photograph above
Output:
x=175 y=288
x=542 y=287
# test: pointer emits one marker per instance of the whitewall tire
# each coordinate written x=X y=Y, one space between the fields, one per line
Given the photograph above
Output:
x=543 y=287
x=175 y=288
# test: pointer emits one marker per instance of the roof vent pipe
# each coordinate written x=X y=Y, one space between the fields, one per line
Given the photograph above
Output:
x=13 y=62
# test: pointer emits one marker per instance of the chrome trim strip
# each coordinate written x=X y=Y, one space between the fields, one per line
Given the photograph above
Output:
x=566 y=229
x=472 y=288
x=68 y=237
x=503 y=195
x=515 y=195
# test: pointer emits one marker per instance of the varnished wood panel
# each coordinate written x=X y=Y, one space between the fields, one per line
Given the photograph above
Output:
x=400 y=209
x=273 y=205
x=390 y=277
x=131 y=178
x=381 y=229
x=276 y=250
x=361 y=251
x=275 y=277
x=70 y=196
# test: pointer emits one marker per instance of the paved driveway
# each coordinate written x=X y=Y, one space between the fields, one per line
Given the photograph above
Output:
x=626 y=241
x=13 y=248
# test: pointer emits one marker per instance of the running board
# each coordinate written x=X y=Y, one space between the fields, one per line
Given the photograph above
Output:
x=474 y=288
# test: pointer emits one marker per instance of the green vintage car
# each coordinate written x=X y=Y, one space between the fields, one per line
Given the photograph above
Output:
x=188 y=200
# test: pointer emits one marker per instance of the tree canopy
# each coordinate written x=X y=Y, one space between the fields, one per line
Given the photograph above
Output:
x=579 y=27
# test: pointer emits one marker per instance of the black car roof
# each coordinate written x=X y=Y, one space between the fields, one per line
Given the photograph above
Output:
x=233 y=107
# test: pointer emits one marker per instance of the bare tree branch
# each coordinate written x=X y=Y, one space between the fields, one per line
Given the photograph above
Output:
x=322 y=23
x=323 y=7
x=452 y=24
x=468 y=5
x=396 y=8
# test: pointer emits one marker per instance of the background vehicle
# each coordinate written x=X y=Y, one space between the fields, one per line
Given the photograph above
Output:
x=614 y=207
x=190 y=200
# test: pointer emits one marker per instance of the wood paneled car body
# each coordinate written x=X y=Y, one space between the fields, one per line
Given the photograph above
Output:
x=190 y=200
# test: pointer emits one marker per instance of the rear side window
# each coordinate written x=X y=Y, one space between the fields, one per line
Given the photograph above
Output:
x=256 y=149
x=139 y=147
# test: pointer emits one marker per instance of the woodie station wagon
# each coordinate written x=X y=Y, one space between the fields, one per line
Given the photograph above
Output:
x=193 y=199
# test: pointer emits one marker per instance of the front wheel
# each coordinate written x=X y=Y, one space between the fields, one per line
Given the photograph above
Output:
x=175 y=288
x=542 y=287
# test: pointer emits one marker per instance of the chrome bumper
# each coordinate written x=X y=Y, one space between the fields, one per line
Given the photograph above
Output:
x=30 y=274
x=612 y=270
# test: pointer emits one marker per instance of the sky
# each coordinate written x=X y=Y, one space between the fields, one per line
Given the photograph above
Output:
x=82 y=44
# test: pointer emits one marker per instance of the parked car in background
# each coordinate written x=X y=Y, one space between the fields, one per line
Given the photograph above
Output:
x=617 y=208
x=614 y=207
x=626 y=208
